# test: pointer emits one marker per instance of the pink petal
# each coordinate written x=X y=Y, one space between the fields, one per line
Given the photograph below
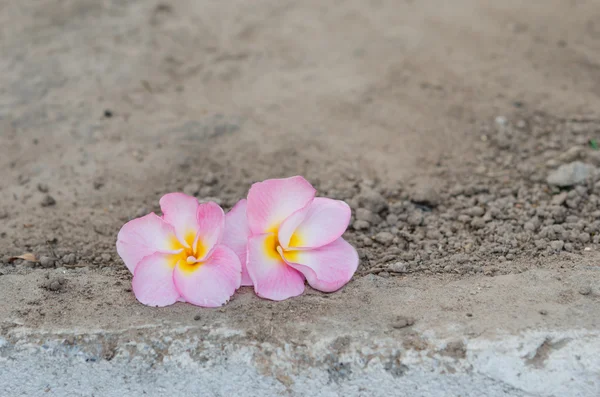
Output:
x=210 y=283
x=236 y=236
x=144 y=236
x=153 y=280
x=272 y=201
x=180 y=211
x=211 y=223
x=272 y=277
x=319 y=223
x=326 y=268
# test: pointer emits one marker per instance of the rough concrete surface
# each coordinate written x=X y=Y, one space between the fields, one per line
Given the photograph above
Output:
x=464 y=135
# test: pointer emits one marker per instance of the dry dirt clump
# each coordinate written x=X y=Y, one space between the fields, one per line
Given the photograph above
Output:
x=533 y=192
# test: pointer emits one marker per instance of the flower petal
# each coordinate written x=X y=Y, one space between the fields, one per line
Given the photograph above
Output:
x=319 y=223
x=272 y=277
x=272 y=201
x=180 y=211
x=211 y=223
x=210 y=283
x=326 y=268
x=153 y=280
x=236 y=236
x=144 y=236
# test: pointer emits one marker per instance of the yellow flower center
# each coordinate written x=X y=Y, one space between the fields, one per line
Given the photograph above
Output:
x=274 y=250
x=189 y=256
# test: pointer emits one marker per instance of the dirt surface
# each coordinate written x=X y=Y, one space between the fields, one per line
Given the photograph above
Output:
x=463 y=136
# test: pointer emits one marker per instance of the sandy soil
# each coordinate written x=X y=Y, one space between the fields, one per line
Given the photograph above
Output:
x=437 y=121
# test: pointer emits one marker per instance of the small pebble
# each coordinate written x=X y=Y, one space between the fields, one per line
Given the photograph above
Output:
x=478 y=223
x=557 y=245
x=425 y=192
x=371 y=200
x=361 y=225
x=197 y=317
x=42 y=187
x=46 y=261
x=69 y=259
x=392 y=219
x=363 y=214
x=402 y=322
x=397 y=267
x=210 y=179
x=501 y=120
x=475 y=211
x=48 y=201
x=415 y=218
x=384 y=238
x=543 y=312
x=585 y=290
x=105 y=257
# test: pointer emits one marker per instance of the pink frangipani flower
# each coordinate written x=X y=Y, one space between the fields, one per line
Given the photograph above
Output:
x=179 y=256
x=291 y=236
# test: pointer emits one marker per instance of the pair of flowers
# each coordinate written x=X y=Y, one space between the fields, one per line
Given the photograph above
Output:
x=274 y=240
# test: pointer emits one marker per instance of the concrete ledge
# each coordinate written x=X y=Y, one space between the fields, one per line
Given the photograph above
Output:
x=156 y=361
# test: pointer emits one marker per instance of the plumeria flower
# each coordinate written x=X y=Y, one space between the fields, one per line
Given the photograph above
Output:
x=284 y=235
x=179 y=256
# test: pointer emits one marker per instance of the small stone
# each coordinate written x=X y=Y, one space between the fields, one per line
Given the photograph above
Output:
x=197 y=317
x=69 y=259
x=397 y=267
x=391 y=219
x=383 y=274
x=48 y=201
x=46 y=261
x=415 y=218
x=371 y=200
x=530 y=226
x=464 y=218
x=361 y=225
x=54 y=285
x=557 y=245
x=105 y=257
x=367 y=241
x=425 y=192
x=434 y=234
x=568 y=247
x=42 y=187
x=191 y=189
x=478 y=223
x=571 y=174
x=501 y=120
x=469 y=314
x=402 y=322
x=585 y=290
x=559 y=199
x=543 y=312
x=363 y=214
x=584 y=237
x=384 y=238
x=475 y=211
x=571 y=155
x=210 y=179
